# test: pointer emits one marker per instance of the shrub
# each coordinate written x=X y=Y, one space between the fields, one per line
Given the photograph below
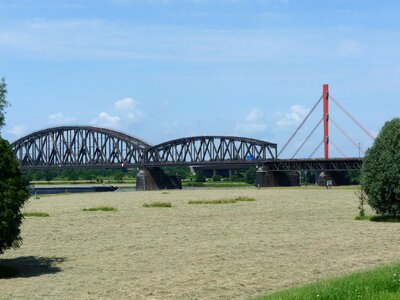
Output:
x=251 y=175
x=200 y=176
x=194 y=184
x=217 y=178
x=119 y=177
x=381 y=170
x=362 y=197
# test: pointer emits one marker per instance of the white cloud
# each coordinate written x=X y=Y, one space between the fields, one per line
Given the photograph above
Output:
x=17 y=130
x=296 y=114
x=136 y=116
x=104 y=39
x=254 y=115
x=124 y=103
x=59 y=118
x=131 y=114
x=254 y=122
x=251 y=127
x=126 y=113
x=106 y=120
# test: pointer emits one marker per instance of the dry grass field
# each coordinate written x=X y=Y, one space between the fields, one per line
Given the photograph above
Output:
x=287 y=237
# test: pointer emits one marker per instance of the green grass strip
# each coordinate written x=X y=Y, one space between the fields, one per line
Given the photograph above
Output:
x=381 y=283
x=222 y=201
x=363 y=218
x=158 y=204
x=35 y=214
x=100 y=208
x=388 y=219
x=239 y=199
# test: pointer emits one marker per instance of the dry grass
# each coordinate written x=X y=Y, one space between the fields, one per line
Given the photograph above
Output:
x=287 y=237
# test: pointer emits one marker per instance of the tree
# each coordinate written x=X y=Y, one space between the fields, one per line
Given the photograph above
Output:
x=251 y=175
x=381 y=170
x=200 y=176
x=216 y=178
x=119 y=176
x=3 y=100
x=13 y=195
x=13 y=188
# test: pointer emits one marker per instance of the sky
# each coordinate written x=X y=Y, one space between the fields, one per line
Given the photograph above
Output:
x=165 y=69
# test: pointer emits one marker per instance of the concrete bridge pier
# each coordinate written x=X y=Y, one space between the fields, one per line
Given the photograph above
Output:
x=149 y=179
x=328 y=178
x=265 y=178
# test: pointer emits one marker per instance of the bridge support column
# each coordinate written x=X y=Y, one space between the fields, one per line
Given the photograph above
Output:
x=155 y=179
x=265 y=178
x=328 y=178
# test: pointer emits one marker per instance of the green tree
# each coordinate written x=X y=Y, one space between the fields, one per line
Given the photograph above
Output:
x=250 y=175
x=13 y=188
x=119 y=176
x=13 y=195
x=381 y=170
x=216 y=178
x=73 y=175
x=200 y=176
x=3 y=101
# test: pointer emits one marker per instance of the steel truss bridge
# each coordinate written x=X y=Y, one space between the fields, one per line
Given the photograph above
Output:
x=93 y=147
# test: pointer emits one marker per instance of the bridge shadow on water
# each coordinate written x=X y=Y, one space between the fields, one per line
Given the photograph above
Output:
x=29 y=266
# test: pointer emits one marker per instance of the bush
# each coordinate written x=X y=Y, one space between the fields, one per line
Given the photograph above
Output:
x=251 y=175
x=13 y=195
x=381 y=170
x=217 y=178
x=119 y=177
x=200 y=176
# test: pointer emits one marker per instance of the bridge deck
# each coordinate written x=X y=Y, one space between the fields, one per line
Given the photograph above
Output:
x=318 y=164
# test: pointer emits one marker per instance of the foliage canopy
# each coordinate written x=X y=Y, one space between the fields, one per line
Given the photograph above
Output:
x=13 y=188
x=13 y=195
x=381 y=170
x=3 y=101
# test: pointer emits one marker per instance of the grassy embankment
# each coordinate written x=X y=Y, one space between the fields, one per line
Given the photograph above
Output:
x=381 y=283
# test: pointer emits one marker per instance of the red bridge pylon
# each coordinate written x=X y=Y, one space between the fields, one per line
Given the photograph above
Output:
x=326 y=119
x=325 y=96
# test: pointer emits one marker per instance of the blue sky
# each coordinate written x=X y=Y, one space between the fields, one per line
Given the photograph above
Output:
x=164 y=69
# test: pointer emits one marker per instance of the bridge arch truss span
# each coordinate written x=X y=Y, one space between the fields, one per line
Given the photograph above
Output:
x=78 y=146
x=200 y=150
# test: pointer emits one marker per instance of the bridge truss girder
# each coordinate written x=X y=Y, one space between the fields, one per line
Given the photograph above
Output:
x=332 y=164
x=77 y=146
x=85 y=146
x=210 y=150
